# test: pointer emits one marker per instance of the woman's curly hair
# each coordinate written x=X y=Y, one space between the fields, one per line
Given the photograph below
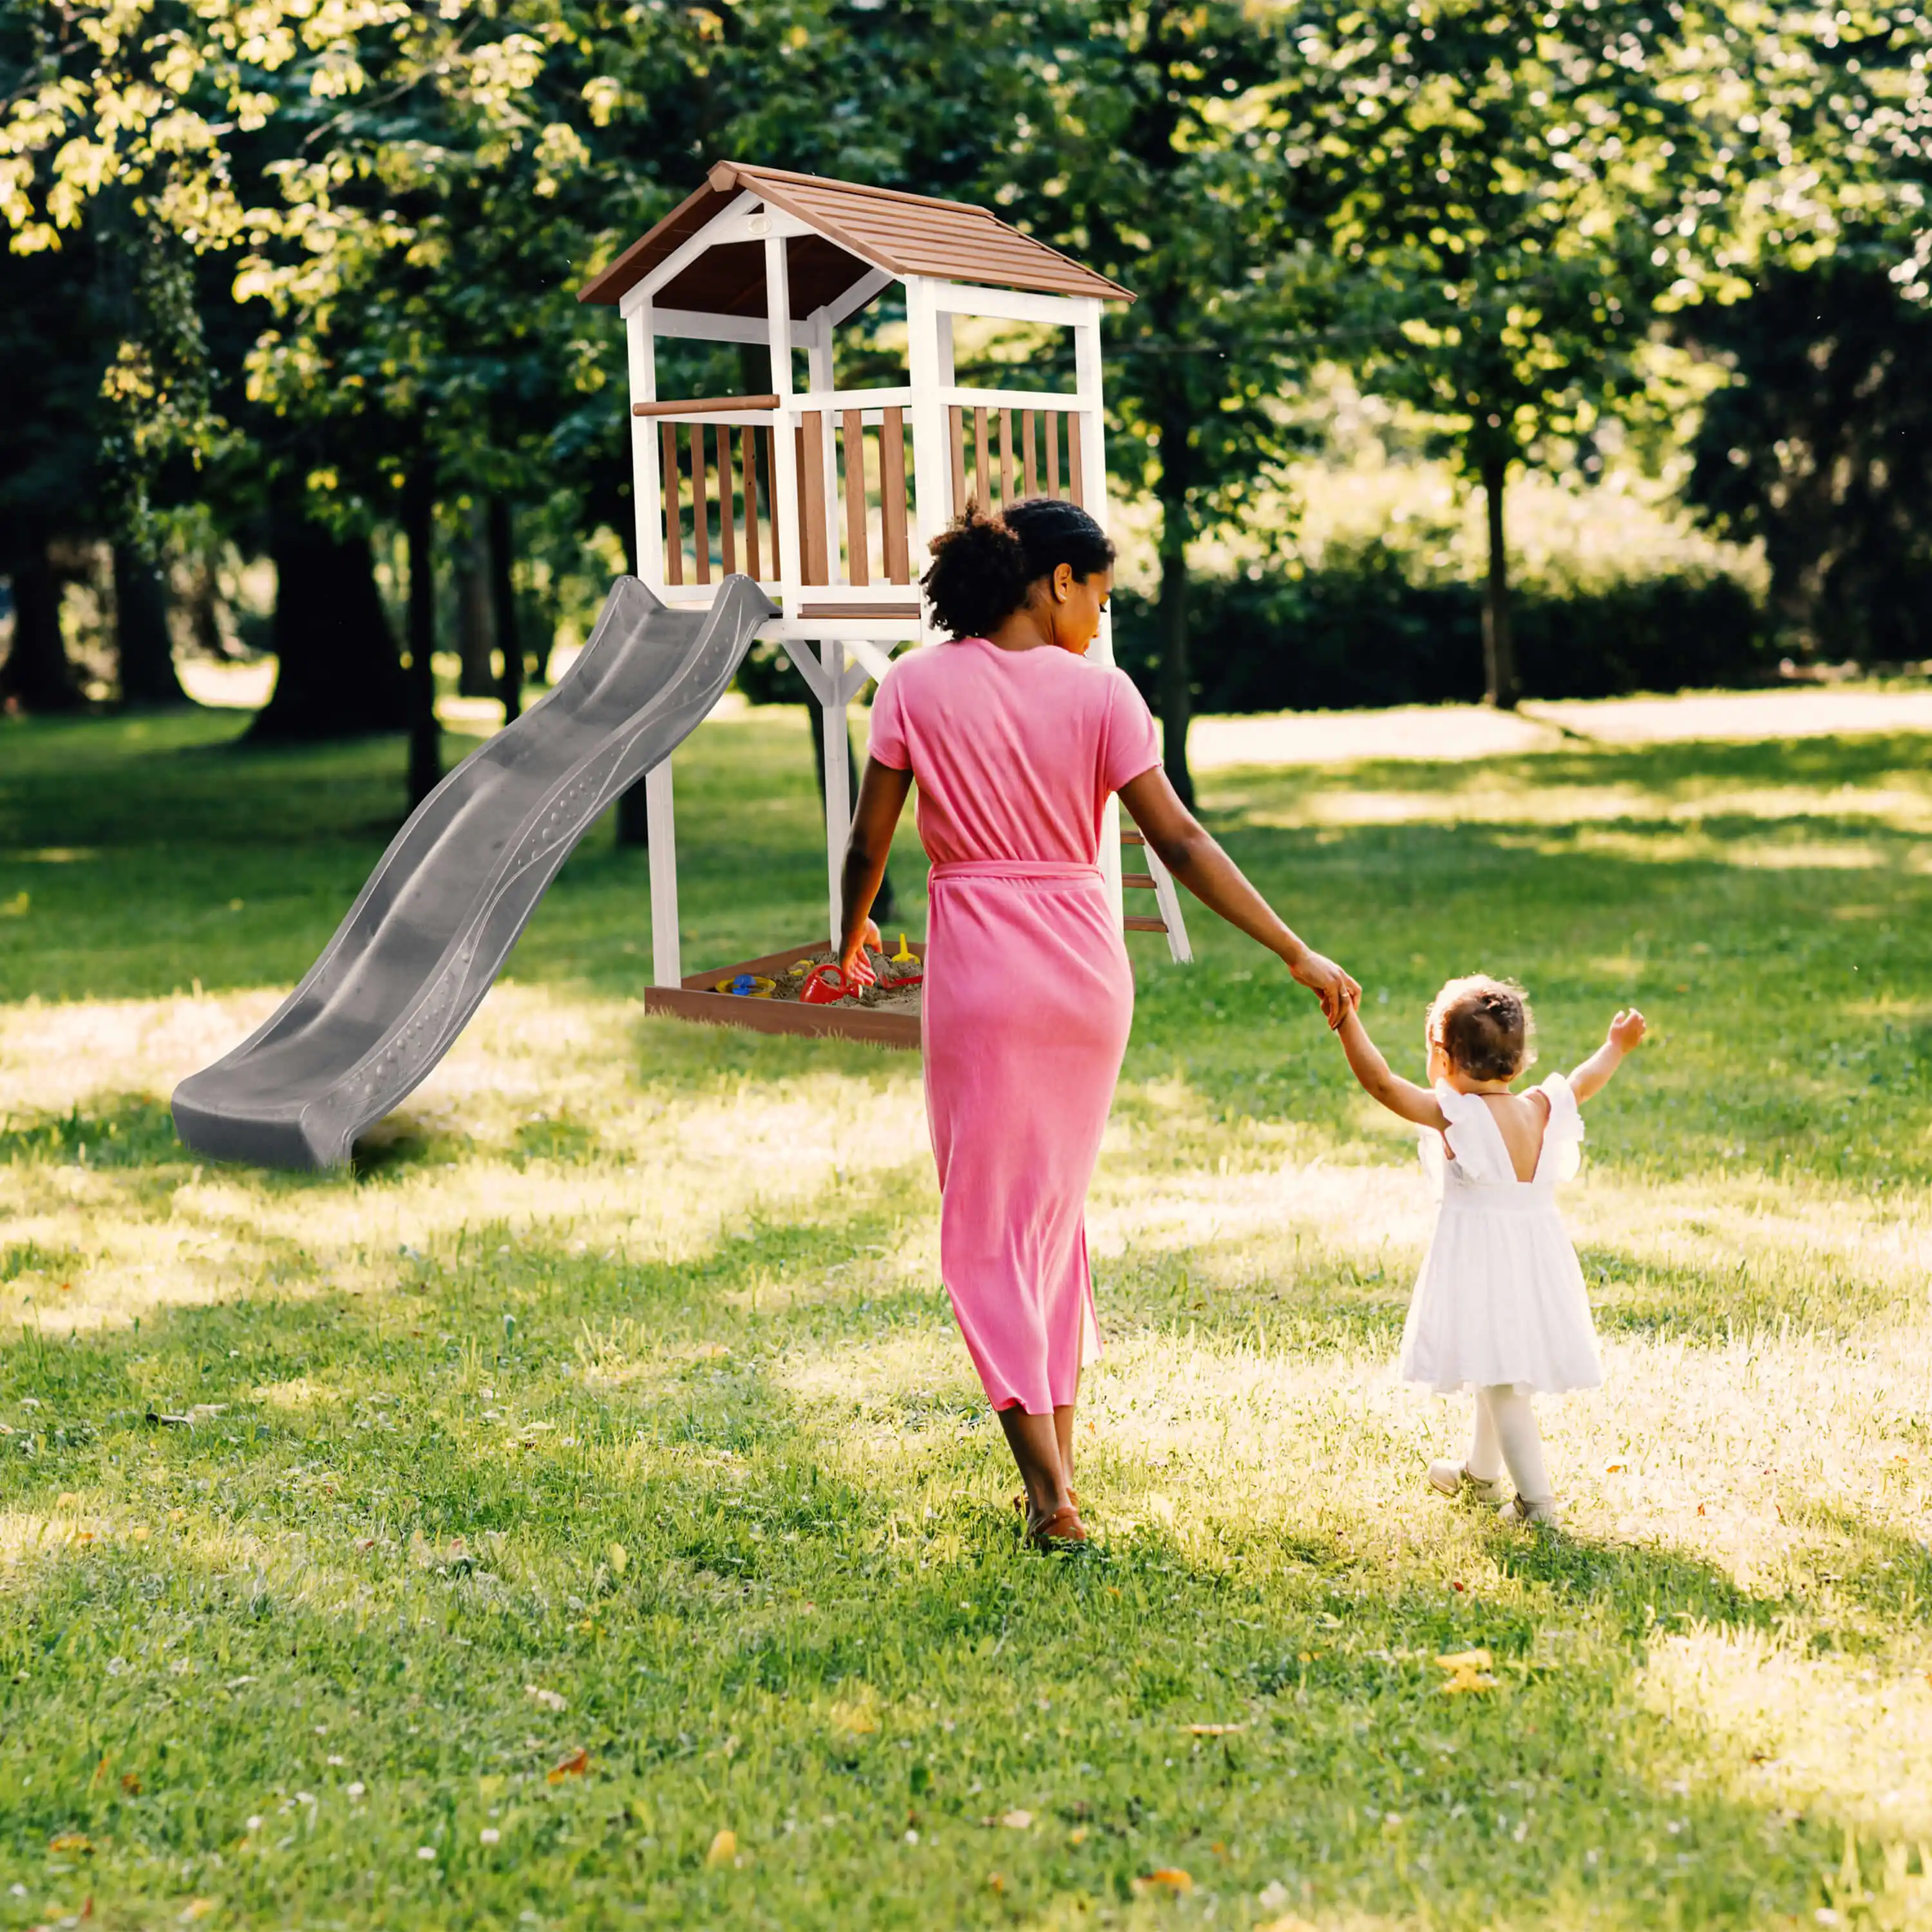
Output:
x=984 y=569
x=1485 y=1026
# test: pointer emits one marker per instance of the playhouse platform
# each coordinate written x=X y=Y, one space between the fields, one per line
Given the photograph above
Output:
x=696 y=999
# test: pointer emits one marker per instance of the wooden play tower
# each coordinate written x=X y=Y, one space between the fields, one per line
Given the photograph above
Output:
x=828 y=496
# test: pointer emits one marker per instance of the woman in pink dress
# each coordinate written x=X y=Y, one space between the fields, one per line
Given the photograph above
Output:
x=1016 y=742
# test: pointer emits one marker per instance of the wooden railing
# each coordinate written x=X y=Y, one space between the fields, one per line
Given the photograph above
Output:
x=994 y=477
x=855 y=482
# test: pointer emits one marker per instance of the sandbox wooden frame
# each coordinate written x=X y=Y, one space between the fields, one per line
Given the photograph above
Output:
x=781 y=485
x=695 y=1000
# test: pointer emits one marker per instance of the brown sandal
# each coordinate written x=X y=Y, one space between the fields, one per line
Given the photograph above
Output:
x=1061 y=1530
x=1020 y=1501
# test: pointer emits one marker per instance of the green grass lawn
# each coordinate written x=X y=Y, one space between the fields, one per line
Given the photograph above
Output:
x=583 y=1512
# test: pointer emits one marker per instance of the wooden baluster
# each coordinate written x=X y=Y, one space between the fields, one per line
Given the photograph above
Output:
x=811 y=497
x=958 y=434
x=1054 y=420
x=673 y=521
x=1076 y=472
x=858 y=535
x=752 y=505
x=983 y=463
x=1006 y=459
x=893 y=496
x=700 y=505
x=727 y=519
x=1031 y=468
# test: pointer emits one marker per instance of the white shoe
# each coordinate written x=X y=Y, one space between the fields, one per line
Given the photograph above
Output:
x=1452 y=1479
x=1536 y=1516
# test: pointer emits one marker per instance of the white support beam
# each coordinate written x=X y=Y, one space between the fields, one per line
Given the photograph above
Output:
x=818 y=364
x=873 y=661
x=1010 y=305
x=929 y=363
x=837 y=782
x=858 y=295
x=667 y=968
x=646 y=466
x=681 y=257
x=783 y=482
x=1089 y=425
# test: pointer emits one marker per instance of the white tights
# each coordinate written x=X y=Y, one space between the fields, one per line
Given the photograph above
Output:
x=1507 y=1436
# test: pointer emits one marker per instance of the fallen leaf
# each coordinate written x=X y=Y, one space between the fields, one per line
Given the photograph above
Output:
x=1017 y=1821
x=131 y=1784
x=1468 y=1670
x=724 y=1848
x=575 y=1765
x=1465 y=1660
x=1215 y=1730
x=1616 y=1469
x=619 y=1558
x=197 y=1908
x=70 y=1841
x=995 y=1882
x=1169 y=1878
x=1077 y=1836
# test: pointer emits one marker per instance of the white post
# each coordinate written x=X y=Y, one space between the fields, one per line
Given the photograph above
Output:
x=667 y=969
x=647 y=473
x=929 y=370
x=789 y=566
x=818 y=365
x=838 y=779
x=1088 y=426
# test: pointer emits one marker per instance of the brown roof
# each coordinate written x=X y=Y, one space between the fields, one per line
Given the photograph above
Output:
x=858 y=229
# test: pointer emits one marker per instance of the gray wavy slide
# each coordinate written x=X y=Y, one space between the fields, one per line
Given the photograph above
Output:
x=431 y=929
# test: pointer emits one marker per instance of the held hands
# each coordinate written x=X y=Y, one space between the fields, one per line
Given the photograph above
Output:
x=1627 y=1030
x=856 y=969
x=1337 y=991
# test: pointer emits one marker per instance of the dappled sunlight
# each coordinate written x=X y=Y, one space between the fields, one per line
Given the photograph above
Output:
x=1846 y=1735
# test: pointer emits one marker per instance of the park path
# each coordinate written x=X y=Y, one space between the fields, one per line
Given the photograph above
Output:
x=1462 y=731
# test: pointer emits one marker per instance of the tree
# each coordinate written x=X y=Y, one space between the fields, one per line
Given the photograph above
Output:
x=1516 y=194
x=1147 y=155
x=1821 y=448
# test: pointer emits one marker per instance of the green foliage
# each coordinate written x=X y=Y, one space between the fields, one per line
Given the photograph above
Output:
x=1820 y=447
x=1360 y=630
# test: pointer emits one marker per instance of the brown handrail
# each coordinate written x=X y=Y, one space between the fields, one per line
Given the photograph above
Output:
x=703 y=406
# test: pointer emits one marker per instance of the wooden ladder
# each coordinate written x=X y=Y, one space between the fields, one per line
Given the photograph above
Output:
x=1159 y=881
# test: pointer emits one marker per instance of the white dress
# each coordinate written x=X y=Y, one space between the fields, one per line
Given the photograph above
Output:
x=1500 y=1296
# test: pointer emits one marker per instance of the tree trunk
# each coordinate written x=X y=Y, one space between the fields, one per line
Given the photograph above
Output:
x=425 y=740
x=36 y=675
x=501 y=536
x=885 y=901
x=147 y=652
x=338 y=673
x=1499 y=678
x=475 y=632
x=1176 y=694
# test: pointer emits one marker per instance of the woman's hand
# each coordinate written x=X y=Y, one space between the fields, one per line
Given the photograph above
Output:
x=857 y=969
x=1337 y=991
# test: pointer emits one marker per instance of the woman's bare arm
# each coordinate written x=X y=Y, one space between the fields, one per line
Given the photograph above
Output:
x=1189 y=850
x=1400 y=1096
x=882 y=797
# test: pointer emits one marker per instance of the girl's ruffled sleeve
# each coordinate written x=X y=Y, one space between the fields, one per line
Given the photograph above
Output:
x=1475 y=1145
x=1563 y=1138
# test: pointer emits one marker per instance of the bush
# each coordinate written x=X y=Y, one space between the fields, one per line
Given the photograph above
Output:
x=1360 y=632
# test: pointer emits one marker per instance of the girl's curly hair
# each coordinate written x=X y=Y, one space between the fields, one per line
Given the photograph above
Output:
x=1485 y=1026
x=984 y=569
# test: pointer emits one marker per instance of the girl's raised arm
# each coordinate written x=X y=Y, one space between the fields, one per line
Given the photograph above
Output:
x=1593 y=1075
x=1402 y=1097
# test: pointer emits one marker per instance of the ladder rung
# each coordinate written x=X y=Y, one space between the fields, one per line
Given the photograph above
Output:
x=1133 y=838
x=1144 y=925
x=1144 y=881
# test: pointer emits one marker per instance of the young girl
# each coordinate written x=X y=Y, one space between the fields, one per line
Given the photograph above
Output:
x=1500 y=1305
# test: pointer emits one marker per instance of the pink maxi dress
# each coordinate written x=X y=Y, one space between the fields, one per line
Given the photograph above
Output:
x=1028 y=993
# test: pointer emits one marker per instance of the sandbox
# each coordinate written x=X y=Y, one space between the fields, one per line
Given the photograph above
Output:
x=767 y=1000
